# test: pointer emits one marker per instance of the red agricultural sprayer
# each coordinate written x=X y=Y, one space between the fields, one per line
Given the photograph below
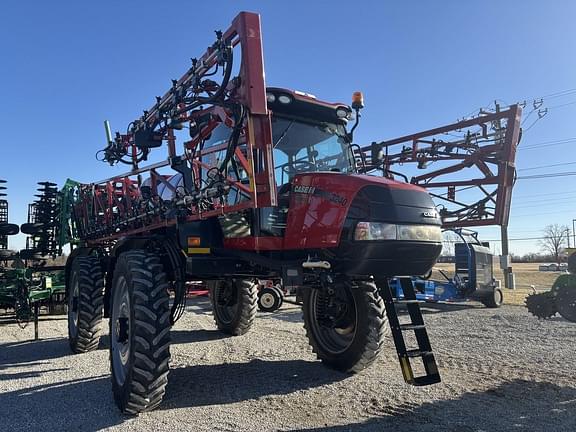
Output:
x=258 y=183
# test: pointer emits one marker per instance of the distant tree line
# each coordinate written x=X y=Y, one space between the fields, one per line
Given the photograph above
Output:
x=533 y=257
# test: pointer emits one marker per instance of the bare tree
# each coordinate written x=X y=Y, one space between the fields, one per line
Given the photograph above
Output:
x=553 y=240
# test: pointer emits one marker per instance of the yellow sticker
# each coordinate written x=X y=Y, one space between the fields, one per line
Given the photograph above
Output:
x=198 y=251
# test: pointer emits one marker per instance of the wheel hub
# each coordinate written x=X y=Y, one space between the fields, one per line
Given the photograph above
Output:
x=335 y=318
x=498 y=297
x=267 y=300
x=345 y=330
x=74 y=306
x=226 y=301
x=121 y=330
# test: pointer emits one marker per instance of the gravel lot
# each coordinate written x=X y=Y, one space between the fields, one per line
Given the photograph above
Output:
x=502 y=370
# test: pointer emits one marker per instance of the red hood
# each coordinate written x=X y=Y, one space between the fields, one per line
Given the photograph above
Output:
x=319 y=205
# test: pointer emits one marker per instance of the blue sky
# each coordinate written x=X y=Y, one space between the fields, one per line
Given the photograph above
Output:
x=66 y=66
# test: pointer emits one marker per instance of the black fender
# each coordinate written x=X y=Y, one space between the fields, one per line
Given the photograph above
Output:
x=122 y=245
x=166 y=248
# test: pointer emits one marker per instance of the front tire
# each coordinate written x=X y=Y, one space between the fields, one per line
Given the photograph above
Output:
x=234 y=305
x=345 y=328
x=139 y=332
x=85 y=304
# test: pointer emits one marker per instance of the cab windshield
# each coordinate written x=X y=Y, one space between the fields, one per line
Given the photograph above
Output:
x=307 y=147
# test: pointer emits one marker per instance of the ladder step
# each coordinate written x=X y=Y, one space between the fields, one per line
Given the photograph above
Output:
x=427 y=380
x=418 y=353
x=407 y=301
x=405 y=327
x=416 y=323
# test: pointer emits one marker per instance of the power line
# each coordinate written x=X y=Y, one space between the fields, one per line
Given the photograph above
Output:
x=536 y=99
x=518 y=239
x=534 y=214
x=546 y=194
x=546 y=166
x=558 y=199
x=556 y=94
x=547 y=143
x=524 y=239
x=548 y=175
x=572 y=203
x=562 y=105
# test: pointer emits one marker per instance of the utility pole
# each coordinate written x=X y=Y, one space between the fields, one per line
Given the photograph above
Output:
x=574 y=231
x=505 y=263
x=505 y=258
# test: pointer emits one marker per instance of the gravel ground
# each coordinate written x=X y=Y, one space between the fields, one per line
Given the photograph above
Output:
x=502 y=370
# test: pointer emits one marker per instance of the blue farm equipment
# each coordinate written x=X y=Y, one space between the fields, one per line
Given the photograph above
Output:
x=473 y=276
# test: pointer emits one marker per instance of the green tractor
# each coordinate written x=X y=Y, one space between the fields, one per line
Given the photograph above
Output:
x=561 y=298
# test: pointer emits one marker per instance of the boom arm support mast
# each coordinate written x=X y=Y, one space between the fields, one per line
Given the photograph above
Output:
x=477 y=155
x=218 y=179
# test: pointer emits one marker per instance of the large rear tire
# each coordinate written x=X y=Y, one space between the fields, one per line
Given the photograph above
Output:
x=345 y=328
x=234 y=305
x=85 y=304
x=139 y=332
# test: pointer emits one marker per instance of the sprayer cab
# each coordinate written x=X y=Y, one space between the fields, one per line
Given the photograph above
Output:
x=325 y=208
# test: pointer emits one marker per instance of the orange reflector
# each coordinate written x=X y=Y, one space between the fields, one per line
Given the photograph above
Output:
x=193 y=241
x=357 y=100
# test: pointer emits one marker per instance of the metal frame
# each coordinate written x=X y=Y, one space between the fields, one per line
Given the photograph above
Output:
x=109 y=209
x=487 y=142
x=3 y=215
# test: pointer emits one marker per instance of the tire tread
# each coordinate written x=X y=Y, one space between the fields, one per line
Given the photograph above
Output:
x=90 y=304
x=151 y=343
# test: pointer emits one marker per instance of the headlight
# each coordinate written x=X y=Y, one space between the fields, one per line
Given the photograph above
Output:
x=375 y=231
x=420 y=233
x=385 y=231
x=284 y=99
x=343 y=113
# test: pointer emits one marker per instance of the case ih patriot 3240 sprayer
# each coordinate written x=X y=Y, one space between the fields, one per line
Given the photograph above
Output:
x=268 y=186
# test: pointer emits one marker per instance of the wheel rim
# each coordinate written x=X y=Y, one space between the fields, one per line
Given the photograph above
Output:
x=120 y=331
x=498 y=297
x=73 y=300
x=267 y=300
x=335 y=333
x=226 y=302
